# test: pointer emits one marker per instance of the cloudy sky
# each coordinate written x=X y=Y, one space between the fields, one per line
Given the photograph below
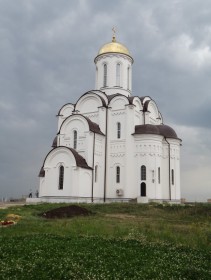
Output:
x=47 y=48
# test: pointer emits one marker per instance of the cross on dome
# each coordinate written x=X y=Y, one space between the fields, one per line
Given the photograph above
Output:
x=114 y=34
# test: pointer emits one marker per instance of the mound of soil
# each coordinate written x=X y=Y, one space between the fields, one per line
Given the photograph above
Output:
x=66 y=212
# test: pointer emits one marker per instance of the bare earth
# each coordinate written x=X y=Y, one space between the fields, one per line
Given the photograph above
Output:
x=4 y=205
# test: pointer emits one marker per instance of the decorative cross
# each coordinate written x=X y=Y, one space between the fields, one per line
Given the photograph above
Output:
x=114 y=31
x=114 y=34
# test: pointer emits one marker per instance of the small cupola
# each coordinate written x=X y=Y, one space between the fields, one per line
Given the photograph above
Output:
x=114 y=47
x=114 y=68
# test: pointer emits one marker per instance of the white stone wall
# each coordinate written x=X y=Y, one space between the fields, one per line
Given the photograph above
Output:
x=148 y=152
x=77 y=181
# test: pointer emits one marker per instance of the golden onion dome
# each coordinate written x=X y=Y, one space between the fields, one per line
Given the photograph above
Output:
x=114 y=47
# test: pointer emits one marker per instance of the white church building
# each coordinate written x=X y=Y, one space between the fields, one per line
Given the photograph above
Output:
x=111 y=145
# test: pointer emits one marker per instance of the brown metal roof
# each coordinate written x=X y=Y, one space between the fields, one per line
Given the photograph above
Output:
x=162 y=129
x=146 y=129
x=80 y=161
x=54 y=144
x=130 y=98
x=42 y=172
x=167 y=131
x=94 y=127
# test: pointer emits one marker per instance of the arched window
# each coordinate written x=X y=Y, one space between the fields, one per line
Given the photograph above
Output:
x=104 y=75
x=118 y=130
x=172 y=176
x=143 y=173
x=75 y=136
x=158 y=175
x=143 y=189
x=117 y=174
x=128 y=77
x=118 y=74
x=96 y=175
x=61 y=177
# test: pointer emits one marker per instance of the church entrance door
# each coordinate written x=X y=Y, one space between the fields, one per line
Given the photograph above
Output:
x=143 y=189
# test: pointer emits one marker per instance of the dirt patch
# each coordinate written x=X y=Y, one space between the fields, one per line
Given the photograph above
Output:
x=121 y=216
x=5 y=205
x=66 y=212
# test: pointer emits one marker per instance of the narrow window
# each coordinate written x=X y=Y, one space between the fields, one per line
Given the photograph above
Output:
x=104 y=75
x=128 y=77
x=143 y=173
x=118 y=74
x=96 y=169
x=75 y=139
x=96 y=77
x=153 y=176
x=61 y=177
x=172 y=176
x=118 y=130
x=158 y=175
x=118 y=174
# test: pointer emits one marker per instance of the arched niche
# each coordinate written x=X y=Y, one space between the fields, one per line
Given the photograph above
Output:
x=119 y=102
x=89 y=102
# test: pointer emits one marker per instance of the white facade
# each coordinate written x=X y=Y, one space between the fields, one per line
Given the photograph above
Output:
x=111 y=145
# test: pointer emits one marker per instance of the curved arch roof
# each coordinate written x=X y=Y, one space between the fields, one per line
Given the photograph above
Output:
x=94 y=127
x=80 y=161
x=59 y=113
x=110 y=97
x=91 y=92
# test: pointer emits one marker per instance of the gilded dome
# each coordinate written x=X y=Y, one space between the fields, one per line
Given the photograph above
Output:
x=114 y=47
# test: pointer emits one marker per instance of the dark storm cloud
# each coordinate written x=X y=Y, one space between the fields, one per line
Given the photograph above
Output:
x=47 y=50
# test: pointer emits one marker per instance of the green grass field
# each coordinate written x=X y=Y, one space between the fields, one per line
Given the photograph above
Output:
x=119 y=241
